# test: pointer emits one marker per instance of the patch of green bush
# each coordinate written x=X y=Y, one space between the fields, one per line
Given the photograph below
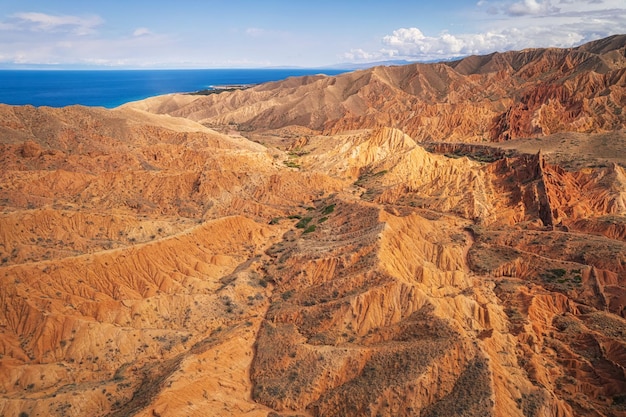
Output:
x=559 y=272
x=304 y=222
x=328 y=209
x=291 y=164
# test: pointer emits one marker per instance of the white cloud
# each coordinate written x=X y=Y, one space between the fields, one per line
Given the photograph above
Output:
x=54 y=23
x=519 y=24
x=142 y=32
x=37 y=38
x=412 y=42
x=531 y=7
x=359 y=54
x=403 y=36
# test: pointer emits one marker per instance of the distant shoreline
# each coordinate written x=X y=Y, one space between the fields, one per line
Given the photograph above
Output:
x=216 y=89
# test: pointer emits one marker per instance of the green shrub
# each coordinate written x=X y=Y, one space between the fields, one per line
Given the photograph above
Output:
x=558 y=272
x=328 y=209
x=304 y=222
x=291 y=164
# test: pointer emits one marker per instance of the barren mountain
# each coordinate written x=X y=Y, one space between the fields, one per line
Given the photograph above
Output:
x=497 y=97
x=344 y=263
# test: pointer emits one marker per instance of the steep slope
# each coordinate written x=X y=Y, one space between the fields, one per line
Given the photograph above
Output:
x=497 y=97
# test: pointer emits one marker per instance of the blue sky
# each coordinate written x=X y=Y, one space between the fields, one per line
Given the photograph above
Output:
x=248 y=33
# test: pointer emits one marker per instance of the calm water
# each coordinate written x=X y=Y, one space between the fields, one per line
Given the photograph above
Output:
x=113 y=88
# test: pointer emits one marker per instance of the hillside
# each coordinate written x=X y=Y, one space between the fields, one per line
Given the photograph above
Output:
x=502 y=96
x=322 y=247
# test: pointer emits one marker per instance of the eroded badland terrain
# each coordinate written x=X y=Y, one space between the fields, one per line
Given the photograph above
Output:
x=426 y=240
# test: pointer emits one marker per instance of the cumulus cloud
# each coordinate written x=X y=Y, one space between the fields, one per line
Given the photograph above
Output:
x=520 y=24
x=359 y=54
x=56 y=23
x=411 y=42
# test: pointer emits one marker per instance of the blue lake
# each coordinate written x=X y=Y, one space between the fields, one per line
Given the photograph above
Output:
x=111 y=88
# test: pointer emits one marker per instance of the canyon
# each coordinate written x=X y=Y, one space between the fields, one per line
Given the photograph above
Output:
x=427 y=239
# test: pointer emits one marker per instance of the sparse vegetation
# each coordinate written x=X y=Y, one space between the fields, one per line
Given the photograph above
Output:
x=367 y=176
x=562 y=276
x=298 y=152
x=291 y=164
x=304 y=222
x=328 y=210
